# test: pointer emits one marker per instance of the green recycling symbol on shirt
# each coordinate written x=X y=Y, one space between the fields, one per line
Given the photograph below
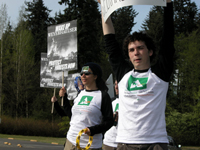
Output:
x=85 y=100
x=116 y=107
x=137 y=83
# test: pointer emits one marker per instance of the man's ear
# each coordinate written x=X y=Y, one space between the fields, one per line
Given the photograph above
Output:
x=150 y=52
x=95 y=77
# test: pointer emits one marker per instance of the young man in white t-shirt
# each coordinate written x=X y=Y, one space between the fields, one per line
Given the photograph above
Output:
x=142 y=87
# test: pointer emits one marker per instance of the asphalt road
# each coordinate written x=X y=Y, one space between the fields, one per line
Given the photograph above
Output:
x=12 y=144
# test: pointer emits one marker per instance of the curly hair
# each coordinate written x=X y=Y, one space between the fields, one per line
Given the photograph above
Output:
x=139 y=36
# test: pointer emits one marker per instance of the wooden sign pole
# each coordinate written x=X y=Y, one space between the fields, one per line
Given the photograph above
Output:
x=53 y=103
x=62 y=87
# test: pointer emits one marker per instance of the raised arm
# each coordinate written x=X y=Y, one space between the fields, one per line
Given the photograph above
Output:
x=107 y=26
x=166 y=52
x=114 y=51
x=167 y=42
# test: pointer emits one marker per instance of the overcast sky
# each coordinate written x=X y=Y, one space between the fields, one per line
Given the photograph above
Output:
x=13 y=7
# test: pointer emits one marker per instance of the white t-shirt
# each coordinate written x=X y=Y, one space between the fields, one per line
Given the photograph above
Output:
x=142 y=99
x=86 y=112
x=110 y=135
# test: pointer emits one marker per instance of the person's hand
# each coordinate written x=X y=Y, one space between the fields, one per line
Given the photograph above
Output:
x=87 y=131
x=115 y=115
x=99 y=1
x=62 y=92
x=53 y=99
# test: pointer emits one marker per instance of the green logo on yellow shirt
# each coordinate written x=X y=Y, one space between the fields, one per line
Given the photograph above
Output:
x=85 y=100
x=137 y=83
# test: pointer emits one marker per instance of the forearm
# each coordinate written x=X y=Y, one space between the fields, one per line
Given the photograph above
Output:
x=107 y=26
x=102 y=128
x=168 y=37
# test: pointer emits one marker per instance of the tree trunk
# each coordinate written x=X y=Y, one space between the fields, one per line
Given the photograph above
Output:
x=1 y=77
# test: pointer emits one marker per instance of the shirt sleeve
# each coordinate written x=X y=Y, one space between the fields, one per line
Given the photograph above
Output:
x=164 y=65
x=58 y=109
x=107 y=116
x=67 y=106
x=120 y=65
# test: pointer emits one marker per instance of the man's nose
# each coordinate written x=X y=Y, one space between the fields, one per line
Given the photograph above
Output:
x=136 y=51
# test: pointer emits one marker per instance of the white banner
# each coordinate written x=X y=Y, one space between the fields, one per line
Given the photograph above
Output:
x=109 y=6
x=110 y=85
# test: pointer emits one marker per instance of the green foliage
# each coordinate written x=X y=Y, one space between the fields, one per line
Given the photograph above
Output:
x=19 y=67
x=183 y=105
x=185 y=19
x=64 y=125
x=41 y=107
x=188 y=49
x=184 y=125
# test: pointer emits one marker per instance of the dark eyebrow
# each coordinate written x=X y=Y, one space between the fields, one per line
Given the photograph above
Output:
x=140 y=46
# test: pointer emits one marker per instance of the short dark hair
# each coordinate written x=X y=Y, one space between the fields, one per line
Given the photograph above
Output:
x=139 y=36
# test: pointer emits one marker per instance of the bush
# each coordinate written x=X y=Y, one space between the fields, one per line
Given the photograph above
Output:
x=183 y=125
x=30 y=127
x=64 y=125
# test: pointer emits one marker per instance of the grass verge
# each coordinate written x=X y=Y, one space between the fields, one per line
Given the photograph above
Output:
x=190 y=147
x=50 y=140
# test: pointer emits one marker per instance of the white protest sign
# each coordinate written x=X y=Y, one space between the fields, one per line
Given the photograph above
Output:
x=109 y=83
x=109 y=6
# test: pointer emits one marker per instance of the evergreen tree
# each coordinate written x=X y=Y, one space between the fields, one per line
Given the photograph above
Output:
x=38 y=19
x=123 y=21
x=3 y=22
x=153 y=25
x=7 y=70
x=21 y=75
x=19 y=67
x=198 y=21
x=185 y=13
x=185 y=16
x=188 y=72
